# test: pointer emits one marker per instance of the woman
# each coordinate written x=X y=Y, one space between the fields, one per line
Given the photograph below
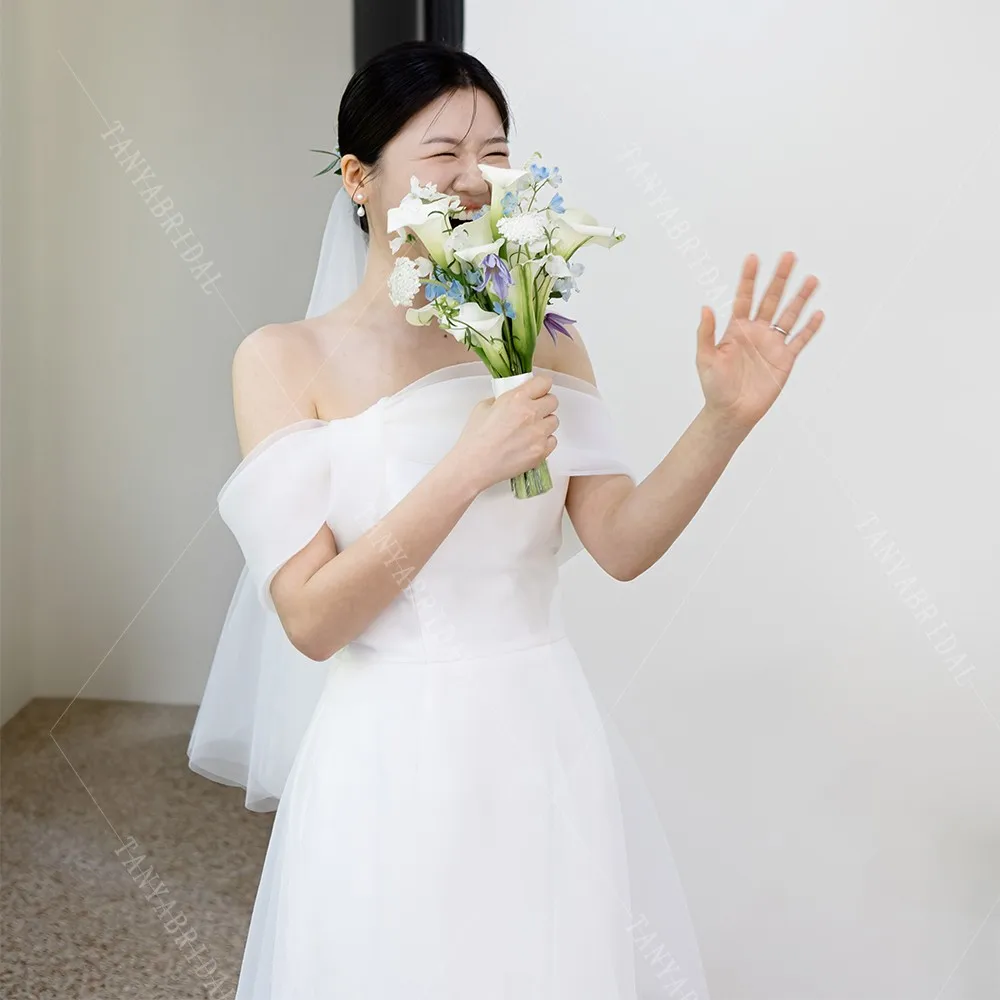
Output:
x=456 y=820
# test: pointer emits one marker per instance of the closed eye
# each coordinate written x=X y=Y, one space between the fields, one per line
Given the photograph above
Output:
x=497 y=153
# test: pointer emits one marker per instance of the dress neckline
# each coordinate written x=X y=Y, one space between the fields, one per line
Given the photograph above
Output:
x=446 y=373
x=453 y=371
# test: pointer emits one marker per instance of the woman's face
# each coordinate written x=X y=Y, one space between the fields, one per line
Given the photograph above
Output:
x=435 y=148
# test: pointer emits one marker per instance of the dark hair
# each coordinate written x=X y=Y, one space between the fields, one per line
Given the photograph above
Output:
x=398 y=83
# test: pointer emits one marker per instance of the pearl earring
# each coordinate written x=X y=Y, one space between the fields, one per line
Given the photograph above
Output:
x=361 y=208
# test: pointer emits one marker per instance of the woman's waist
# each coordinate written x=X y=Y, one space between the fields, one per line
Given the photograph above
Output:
x=440 y=618
x=452 y=650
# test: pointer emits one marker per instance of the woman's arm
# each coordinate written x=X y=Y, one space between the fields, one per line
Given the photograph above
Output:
x=628 y=527
x=327 y=598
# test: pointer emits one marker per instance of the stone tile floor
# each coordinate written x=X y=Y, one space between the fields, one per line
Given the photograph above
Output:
x=122 y=873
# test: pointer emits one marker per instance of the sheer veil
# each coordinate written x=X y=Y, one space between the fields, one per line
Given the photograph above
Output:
x=261 y=691
x=341 y=257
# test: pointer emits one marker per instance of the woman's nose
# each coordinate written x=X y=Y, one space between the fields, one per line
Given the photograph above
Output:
x=470 y=180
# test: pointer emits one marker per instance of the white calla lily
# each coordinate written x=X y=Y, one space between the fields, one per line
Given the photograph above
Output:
x=474 y=255
x=505 y=177
x=573 y=228
x=501 y=180
x=471 y=234
x=421 y=316
x=484 y=324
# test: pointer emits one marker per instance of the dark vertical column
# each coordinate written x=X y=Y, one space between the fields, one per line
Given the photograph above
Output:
x=444 y=21
x=381 y=23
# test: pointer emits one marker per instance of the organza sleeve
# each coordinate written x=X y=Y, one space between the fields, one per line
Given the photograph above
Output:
x=586 y=440
x=587 y=444
x=278 y=497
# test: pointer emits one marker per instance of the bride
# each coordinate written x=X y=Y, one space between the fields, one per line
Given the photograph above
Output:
x=455 y=817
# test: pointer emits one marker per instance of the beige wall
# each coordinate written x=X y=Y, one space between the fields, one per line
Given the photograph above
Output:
x=117 y=408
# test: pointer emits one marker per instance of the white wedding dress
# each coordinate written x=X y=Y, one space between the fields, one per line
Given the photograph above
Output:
x=456 y=820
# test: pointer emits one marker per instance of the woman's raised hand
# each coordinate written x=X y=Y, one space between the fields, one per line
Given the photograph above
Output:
x=743 y=374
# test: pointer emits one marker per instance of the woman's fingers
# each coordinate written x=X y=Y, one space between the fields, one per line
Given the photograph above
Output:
x=744 y=291
x=805 y=334
x=772 y=297
x=790 y=314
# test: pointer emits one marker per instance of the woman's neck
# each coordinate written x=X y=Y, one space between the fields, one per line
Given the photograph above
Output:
x=371 y=301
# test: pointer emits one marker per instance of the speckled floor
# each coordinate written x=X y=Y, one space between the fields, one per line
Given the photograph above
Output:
x=122 y=873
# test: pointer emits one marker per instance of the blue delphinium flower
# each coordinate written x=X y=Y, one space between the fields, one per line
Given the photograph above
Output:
x=505 y=307
x=456 y=290
x=539 y=172
x=508 y=203
x=556 y=204
x=555 y=178
x=433 y=289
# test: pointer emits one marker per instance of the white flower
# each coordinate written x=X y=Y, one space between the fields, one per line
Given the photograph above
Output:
x=426 y=192
x=574 y=227
x=423 y=315
x=556 y=266
x=411 y=212
x=501 y=180
x=428 y=221
x=404 y=281
x=528 y=227
x=475 y=233
x=485 y=325
x=402 y=237
x=474 y=255
x=506 y=178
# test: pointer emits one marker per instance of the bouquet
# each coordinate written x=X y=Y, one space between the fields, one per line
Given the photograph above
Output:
x=491 y=280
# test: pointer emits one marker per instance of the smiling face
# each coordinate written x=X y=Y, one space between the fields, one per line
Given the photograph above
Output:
x=438 y=146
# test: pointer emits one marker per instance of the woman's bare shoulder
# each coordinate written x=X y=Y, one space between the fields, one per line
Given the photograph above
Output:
x=274 y=371
x=567 y=354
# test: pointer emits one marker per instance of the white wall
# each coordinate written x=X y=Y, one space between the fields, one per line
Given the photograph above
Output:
x=117 y=406
x=832 y=794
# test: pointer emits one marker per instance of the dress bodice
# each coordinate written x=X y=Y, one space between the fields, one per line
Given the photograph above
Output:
x=492 y=584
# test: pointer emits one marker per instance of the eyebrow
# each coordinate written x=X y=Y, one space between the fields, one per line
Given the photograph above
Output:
x=456 y=142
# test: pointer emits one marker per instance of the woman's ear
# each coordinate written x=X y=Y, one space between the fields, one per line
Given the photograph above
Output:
x=353 y=174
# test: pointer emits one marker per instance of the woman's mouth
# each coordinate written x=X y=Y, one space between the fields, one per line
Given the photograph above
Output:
x=465 y=215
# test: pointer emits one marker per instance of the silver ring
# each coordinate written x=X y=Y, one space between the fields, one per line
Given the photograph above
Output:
x=774 y=326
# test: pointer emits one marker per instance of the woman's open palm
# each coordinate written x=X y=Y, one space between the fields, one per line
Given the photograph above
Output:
x=743 y=374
